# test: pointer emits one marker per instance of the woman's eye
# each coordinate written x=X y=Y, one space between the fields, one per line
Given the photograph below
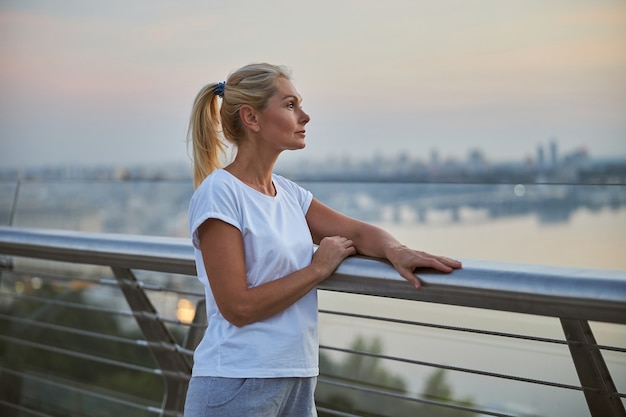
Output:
x=291 y=106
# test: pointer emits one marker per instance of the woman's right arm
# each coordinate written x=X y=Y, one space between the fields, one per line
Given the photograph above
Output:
x=222 y=249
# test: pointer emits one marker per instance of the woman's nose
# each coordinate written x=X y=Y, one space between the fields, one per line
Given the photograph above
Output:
x=305 y=118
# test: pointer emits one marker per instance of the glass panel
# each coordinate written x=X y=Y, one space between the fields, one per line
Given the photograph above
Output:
x=138 y=207
x=565 y=225
x=7 y=197
x=548 y=224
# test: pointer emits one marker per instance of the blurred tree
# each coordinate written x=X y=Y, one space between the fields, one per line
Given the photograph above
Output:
x=369 y=372
x=42 y=355
x=438 y=389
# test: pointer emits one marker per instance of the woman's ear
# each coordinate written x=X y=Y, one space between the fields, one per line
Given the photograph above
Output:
x=248 y=116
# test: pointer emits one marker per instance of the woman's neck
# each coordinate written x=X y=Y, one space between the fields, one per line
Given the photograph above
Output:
x=254 y=171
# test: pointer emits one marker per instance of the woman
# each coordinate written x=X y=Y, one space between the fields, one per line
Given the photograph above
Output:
x=254 y=233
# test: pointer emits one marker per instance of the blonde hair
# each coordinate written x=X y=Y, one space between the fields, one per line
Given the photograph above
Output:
x=251 y=85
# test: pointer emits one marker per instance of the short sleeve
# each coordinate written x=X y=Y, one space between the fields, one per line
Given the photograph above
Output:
x=213 y=199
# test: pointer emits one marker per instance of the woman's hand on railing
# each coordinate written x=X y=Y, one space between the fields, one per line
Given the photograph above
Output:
x=330 y=253
x=406 y=260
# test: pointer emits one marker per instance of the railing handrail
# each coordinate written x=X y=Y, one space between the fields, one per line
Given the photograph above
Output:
x=587 y=294
x=152 y=253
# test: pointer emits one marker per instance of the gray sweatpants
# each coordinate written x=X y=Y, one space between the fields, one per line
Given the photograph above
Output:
x=258 y=397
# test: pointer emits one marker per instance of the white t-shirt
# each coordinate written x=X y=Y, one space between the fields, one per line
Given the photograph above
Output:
x=277 y=242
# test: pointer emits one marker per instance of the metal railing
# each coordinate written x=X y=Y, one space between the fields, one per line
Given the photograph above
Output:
x=31 y=258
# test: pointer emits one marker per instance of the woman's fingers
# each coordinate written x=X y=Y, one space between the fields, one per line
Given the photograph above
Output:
x=332 y=251
x=441 y=263
x=409 y=275
x=452 y=263
x=406 y=261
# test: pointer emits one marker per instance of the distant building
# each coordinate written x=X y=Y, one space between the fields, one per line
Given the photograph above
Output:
x=540 y=157
x=434 y=157
x=554 y=157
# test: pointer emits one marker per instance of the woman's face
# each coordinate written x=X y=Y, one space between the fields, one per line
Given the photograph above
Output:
x=282 y=121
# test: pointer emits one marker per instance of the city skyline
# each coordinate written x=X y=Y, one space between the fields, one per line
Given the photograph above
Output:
x=548 y=165
x=542 y=153
x=112 y=83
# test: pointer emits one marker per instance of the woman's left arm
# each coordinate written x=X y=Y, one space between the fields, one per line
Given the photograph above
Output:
x=373 y=241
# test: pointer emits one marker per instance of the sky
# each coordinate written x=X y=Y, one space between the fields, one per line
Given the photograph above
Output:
x=101 y=83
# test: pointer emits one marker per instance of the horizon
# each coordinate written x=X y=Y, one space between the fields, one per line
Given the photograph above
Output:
x=528 y=157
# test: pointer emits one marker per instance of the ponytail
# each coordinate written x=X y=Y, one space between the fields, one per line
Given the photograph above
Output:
x=203 y=133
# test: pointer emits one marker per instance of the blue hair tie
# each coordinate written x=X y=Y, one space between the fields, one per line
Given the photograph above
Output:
x=219 y=89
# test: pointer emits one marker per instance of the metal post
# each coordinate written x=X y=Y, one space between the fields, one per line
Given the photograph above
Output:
x=176 y=368
x=595 y=379
x=198 y=326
